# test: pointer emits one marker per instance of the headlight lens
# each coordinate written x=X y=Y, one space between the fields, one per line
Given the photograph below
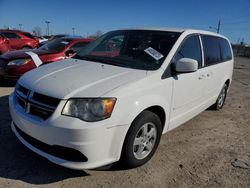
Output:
x=94 y=109
x=19 y=62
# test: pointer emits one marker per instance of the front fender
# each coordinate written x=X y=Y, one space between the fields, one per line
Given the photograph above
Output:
x=125 y=116
x=142 y=103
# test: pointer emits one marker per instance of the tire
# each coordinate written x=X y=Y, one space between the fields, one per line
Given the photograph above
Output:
x=147 y=130
x=221 y=99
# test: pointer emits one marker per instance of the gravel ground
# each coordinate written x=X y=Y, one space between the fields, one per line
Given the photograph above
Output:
x=196 y=154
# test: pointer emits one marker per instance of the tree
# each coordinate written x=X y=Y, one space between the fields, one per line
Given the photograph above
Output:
x=37 y=31
x=6 y=27
x=97 y=34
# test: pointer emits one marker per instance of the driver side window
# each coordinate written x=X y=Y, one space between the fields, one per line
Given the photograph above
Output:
x=190 y=48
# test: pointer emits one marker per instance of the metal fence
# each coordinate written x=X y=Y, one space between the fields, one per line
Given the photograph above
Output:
x=241 y=50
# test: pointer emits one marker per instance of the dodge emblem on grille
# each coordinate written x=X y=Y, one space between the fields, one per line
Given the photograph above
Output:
x=27 y=104
x=27 y=107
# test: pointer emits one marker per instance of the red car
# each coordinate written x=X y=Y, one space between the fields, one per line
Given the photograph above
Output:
x=15 y=63
x=20 y=39
x=4 y=44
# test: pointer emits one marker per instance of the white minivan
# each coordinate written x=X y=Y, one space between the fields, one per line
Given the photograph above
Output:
x=115 y=98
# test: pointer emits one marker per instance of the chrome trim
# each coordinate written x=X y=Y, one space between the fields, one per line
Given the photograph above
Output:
x=29 y=102
x=21 y=94
x=40 y=107
x=41 y=104
x=21 y=98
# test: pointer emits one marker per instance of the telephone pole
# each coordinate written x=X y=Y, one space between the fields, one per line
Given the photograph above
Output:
x=20 y=26
x=218 y=27
x=73 y=29
x=47 y=22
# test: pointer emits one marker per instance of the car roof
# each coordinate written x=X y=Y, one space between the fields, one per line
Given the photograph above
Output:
x=77 y=39
x=179 y=30
x=12 y=30
x=66 y=35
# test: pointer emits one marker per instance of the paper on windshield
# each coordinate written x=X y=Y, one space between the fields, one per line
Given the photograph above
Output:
x=153 y=53
x=35 y=58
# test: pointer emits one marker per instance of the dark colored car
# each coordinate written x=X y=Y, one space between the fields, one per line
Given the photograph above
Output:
x=58 y=36
x=20 y=39
x=64 y=35
x=4 y=44
x=14 y=64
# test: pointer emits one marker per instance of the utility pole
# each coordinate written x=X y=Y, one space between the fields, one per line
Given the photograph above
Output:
x=20 y=26
x=218 y=27
x=73 y=29
x=47 y=22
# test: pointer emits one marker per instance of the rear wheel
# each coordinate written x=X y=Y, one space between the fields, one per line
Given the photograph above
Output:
x=221 y=98
x=142 y=139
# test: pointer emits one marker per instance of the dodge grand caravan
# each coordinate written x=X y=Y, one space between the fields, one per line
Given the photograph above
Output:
x=115 y=98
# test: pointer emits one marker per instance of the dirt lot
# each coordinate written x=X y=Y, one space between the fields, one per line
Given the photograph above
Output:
x=197 y=154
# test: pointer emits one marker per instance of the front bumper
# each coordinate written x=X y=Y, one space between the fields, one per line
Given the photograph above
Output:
x=99 y=143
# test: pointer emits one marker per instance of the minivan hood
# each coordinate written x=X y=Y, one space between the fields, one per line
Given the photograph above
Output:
x=78 y=78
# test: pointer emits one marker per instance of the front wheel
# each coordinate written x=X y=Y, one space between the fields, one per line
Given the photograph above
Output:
x=142 y=139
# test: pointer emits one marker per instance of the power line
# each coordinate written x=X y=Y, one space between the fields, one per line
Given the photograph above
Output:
x=216 y=28
x=236 y=22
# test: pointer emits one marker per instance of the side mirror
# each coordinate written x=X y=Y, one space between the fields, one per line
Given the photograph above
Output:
x=186 y=65
x=70 y=53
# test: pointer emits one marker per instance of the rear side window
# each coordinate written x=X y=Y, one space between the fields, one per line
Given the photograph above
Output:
x=10 y=35
x=28 y=35
x=190 y=48
x=226 y=53
x=211 y=47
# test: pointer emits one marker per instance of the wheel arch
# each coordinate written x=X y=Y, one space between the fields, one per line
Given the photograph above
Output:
x=159 y=111
x=228 y=82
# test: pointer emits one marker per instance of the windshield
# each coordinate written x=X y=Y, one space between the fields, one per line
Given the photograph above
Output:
x=56 y=45
x=138 y=49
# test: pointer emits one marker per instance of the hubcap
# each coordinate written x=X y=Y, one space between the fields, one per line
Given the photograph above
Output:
x=144 y=141
x=222 y=97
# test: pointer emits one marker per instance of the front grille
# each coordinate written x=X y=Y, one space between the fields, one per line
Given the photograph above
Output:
x=45 y=99
x=24 y=90
x=35 y=103
x=62 y=152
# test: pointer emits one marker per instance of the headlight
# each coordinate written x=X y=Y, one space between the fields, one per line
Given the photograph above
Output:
x=19 y=62
x=94 y=109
